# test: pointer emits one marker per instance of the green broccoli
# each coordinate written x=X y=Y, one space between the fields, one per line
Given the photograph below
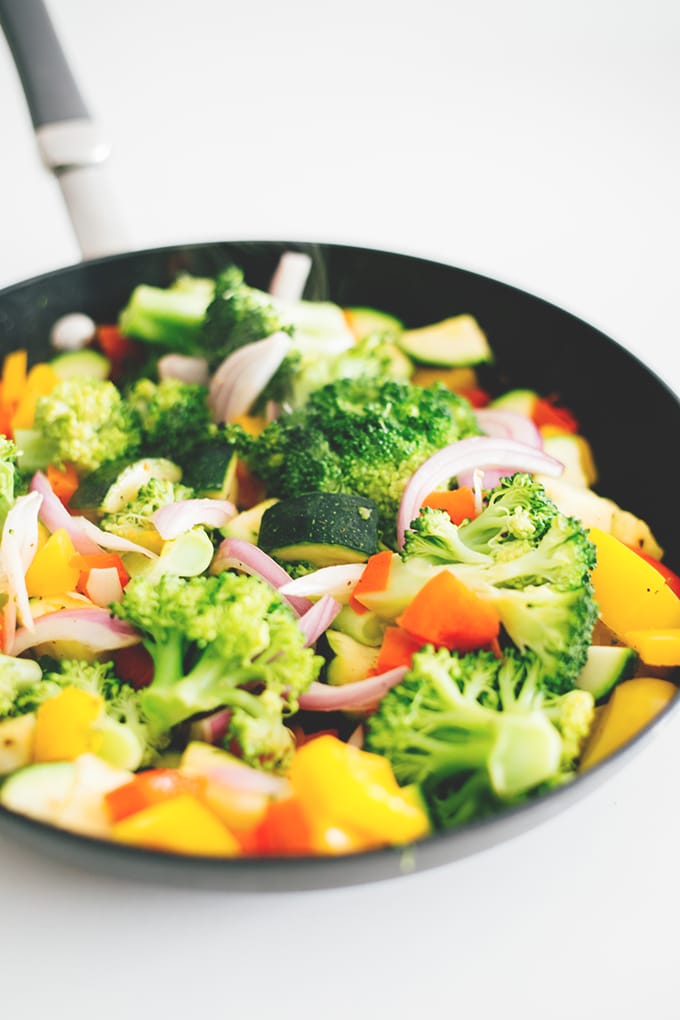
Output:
x=237 y=315
x=477 y=732
x=531 y=561
x=133 y=521
x=174 y=416
x=225 y=641
x=86 y=422
x=364 y=436
x=19 y=678
x=171 y=317
x=8 y=475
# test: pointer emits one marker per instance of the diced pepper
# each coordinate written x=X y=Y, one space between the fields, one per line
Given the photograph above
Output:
x=459 y=504
x=397 y=649
x=250 y=489
x=448 y=614
x=84 y=563
x=51 y=572
x=354 y=791
x=14 y=377
x=283 y=830
x=64 y=481
x=134 y=665
x=547 y=412
x=122 y=351
x=655 y=647
x=40 y=382
x=475 y=395
x=375 y=577
x=64 y=725
x=148 y=788
x=179 y=824
x=631 y=593
x=631 y=707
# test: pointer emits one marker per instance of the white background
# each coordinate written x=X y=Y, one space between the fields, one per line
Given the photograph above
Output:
x=536 y=142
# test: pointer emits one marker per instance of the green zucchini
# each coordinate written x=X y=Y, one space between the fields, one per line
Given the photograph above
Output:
x=519 y=401
x=211 y=471
x=322 y=528
x=86 y=362
x=368 y=322
x=111 y=486
x=452 y=343
x=606 y=666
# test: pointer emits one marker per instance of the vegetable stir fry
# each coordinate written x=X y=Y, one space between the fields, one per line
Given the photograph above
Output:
x=280 y=577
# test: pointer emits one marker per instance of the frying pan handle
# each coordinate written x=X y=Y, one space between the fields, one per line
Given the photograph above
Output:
x=69 y=141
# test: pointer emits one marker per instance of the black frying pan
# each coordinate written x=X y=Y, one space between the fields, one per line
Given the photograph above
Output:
x=627 y=413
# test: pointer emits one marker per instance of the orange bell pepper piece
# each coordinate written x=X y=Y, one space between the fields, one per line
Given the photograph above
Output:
x=51 y=572
x=447 y=614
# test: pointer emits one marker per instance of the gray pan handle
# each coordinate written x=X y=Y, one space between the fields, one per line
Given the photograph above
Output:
x=69 y=141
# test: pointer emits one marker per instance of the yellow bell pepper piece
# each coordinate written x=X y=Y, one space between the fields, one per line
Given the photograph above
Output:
x=656 y=647
x=64 y=727
x=631 y=593
x=51 y=572
x=14 y=376
x=180 y=825
x=631 y=707
x=356 y=791
x=40 y=382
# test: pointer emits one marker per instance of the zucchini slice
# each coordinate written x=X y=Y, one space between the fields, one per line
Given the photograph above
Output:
x=606 y=666
x=454 y=342
x=367 y=321
x=115 y=483
x=86 y=362
x=211 y=472
x=323 y=528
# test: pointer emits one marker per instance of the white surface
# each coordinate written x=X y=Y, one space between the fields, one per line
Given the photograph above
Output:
x=536 y=142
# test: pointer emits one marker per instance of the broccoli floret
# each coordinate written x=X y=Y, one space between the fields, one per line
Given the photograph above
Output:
x=474 y=731
x=8 y=475
x=303 y=373
x=169 y=316
x=363 y=436
x=87 y=422
x=531 y=561
x=226 y=641
x=237 y=315
x=133 y=521
x=20 y=681
x=174 y=416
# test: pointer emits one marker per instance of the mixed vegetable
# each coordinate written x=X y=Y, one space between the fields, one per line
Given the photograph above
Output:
x=280 y=577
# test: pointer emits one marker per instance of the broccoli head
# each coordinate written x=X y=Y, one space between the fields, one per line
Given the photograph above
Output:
x=364 y=436
x=476 y=732
x=133 y=521
x=225 y=641
x=8 y=475
x=20 y=683
x=174 y=416
x=237 y=315
x=531 y=561
x=87 y=423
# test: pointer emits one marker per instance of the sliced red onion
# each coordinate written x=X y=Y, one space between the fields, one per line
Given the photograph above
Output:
x=502 y=424
x=338 y=581
x=465 y=455
x=212 y=728
x=186 y=369
x=17 y=549
x=92 y=627
x=106 y=540
x=318 y=619
x=54 y=515
x=324 y=698
x=103 y=586
x=176 y=518
x=243 y=778
x=509 y=425
x=244 y=374
x=241 y=555
x=290 y=276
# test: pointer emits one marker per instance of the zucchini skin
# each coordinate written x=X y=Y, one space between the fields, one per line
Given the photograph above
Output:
x=322 y=528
